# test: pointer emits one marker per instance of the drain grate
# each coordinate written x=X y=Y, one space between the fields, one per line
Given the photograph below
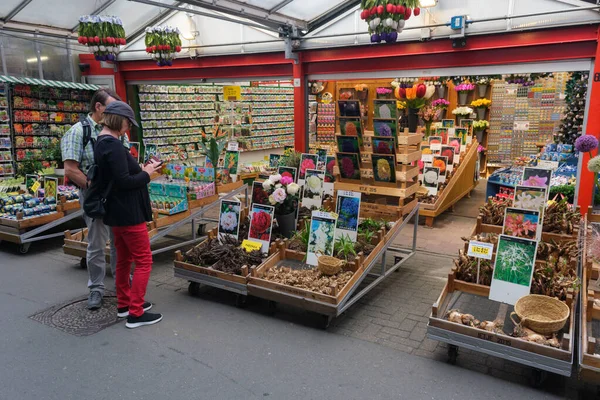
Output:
x=74 y=318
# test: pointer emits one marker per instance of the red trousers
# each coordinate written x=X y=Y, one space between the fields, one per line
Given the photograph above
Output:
x=133 y=245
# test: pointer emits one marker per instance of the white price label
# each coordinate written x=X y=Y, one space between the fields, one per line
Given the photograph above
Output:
x=553 y=165
x=233 y=146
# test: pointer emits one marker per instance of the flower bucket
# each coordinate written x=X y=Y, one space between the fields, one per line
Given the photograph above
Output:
x=443 y=113
x=413 y=120
x=462 y=98
x=287 y=224
x=441 y=91
x=481 y=113
x=479 y=135
x=482 y=89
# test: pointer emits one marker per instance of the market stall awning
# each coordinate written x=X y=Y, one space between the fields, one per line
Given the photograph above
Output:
x=60 y=84
x=9 y=79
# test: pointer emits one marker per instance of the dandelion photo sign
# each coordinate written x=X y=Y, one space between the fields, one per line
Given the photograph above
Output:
x=347 y=209
x=513 y=270
x=321 y=237
x=229 y=219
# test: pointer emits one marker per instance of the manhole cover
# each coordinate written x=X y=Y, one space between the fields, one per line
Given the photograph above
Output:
x=73 y=316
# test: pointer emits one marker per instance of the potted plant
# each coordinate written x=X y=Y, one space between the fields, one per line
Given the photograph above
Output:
x=463 y=91
x=283 y=195
x=442 y=106
x=212 y=147
x=440 y=84
x=481 y=105
x=462 y=112
x=53 y=154
x=479 y=127
x=162 y=43
x=415 y=98
x=482 y=85
x=384 y=93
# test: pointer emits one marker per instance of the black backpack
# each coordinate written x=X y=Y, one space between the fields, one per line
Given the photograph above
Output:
x=95 y=195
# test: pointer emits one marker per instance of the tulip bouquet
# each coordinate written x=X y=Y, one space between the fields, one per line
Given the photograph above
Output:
x=481 y=103
x=283 y=193
x=428 y=114
x=162 y=43
x=464 y=87
x=103 y=35
x=386 y=18
x=416 y=96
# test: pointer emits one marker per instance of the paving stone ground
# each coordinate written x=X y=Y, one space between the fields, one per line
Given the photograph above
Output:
x=395 y=313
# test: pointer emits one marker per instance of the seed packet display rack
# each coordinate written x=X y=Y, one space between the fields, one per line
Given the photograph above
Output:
x=473 y=298
x=163 y=227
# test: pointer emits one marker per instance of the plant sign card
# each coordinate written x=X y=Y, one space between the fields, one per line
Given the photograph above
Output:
x=386 y=128
x=384 y=168
x=347 y=209
x=229 y=219
x=351 y=127
x=261 y=225
x=513 y=270
x=441 y=162
x=448 y=151
x=448 y=123
x=383 y=145
x=385 y=109
x=51 y=187
x=322 y=153
x=435 y=143
x=462 y=134
x=232 y=159
x=521 y=223
x=426 y=153
x=329 y=176
x=274 y=160
x=530 y=198
x=30 y=180
x=349 y=108
x=467 y=123
x=537 y=177
x=134 y=149
x=349 y=165
x=291 y=172
x=313 y=189
x=455 y=143
x=430 y=179
x=321 y=237
x=307 y=161
x=259 y=194
x=347 y=144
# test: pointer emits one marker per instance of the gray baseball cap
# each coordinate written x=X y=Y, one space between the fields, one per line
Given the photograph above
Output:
x=122 y=109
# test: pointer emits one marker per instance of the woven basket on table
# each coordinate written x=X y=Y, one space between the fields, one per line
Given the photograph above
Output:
x=541 y=314
x=329 y=265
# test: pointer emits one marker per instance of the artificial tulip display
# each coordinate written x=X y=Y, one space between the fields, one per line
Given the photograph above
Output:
x=386 y=18
x=103 y=35
x=416 y=96
x=162 y=43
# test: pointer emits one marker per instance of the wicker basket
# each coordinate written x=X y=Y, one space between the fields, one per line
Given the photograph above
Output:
x=330 y=265
x=541 y=314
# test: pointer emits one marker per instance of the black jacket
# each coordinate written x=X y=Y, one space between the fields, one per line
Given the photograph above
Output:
x=128 y=203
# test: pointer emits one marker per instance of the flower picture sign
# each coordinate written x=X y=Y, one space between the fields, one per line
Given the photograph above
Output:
x=347 y=209
x=537 y=177
x=321 y=237
x=521 y=223
x=513 y=270
x=261 y=225
x=229 y=219
x=313 y=188
x=307 y=161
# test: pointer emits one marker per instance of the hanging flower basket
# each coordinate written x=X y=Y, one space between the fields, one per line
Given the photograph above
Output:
x=163 y=43
x=387 y=19
x=103 y=35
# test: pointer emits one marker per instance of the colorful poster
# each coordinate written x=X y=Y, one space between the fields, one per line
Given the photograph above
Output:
x=385 y=109
x=229 y=219
x=51 y=188
x=530 y=198
x=349 y=165
x=232 y=159
x=349 y=108
x=321 y=237
x=151 y=151
x=384 y=145
x=313 y=189
x=274 y=160
x=30 y=180
x=537 y=177
x=352 y=127
x=347 y=209
x=513 y=269
x=261 y=225
x=322 y=153
x=448 y=151
x=307 y=161
x=435 y=143
x=441 y=162
x=426 y=153
x=134 y=149
x=386 y=128
x=384 y=168
x=431 y=179
x=329 y=176
x=291 y=172
x=521 y=223
x=347 y=144
x=259 y=194
x=448 y=123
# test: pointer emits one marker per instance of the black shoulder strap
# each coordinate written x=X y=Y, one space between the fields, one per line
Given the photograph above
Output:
x=87 y=133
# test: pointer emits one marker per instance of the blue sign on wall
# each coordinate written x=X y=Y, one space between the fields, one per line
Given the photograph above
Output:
x=457 y=22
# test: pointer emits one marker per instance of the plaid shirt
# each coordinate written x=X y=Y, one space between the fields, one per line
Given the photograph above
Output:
x=71 y=145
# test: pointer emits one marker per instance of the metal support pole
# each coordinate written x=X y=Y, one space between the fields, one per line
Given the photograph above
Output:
x=415 y=227
x=193 y=228
x=70 y=57
x=38 y=54
x=2 y=56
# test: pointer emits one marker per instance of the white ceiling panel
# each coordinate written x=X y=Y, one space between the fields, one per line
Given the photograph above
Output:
x=308 y=10
x=7 y=6
x=60 y=15
x=266 y=4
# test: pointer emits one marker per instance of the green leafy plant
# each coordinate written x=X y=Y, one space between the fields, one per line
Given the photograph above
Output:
x=367 y=236
x=29 y=167
x=53 y=153
x=291 y=158
x=344 y=248
x=566 y=190
x=370 y=224
x=212 y=147
x=303 y=235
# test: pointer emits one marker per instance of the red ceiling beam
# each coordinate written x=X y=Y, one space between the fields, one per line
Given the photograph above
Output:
x=579 y=34
x=241 y=60
x=477 y=58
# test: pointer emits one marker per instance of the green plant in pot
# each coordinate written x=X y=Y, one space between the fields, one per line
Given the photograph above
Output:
x=344 y=248
x=212 y=147
x=53 y=155
x=283 y=193
x=29 y=167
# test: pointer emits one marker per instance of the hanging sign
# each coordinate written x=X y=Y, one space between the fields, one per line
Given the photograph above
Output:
x=232 y=93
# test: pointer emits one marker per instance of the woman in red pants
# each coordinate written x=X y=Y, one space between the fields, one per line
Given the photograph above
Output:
x=127 y=211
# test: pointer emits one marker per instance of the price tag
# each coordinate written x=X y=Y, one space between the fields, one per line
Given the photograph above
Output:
x=521 y=126
x=233 y=146
x=249 y=245
x=232 y=93
x=553 y=165
x=35 y=187
x=480 y=250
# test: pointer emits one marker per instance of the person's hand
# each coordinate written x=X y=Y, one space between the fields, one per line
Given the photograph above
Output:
x=152 y=167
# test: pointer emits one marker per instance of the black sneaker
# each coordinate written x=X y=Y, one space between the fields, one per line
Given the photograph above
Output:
x=94 y=300
x=144 y=319
x=123 y=312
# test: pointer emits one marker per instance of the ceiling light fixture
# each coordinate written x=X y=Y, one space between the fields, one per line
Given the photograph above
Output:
x=34 y=59
x=428 y=3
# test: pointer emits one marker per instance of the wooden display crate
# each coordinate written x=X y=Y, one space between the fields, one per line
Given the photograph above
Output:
x=22 y=222
x=229 y=187
x=546 y=237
